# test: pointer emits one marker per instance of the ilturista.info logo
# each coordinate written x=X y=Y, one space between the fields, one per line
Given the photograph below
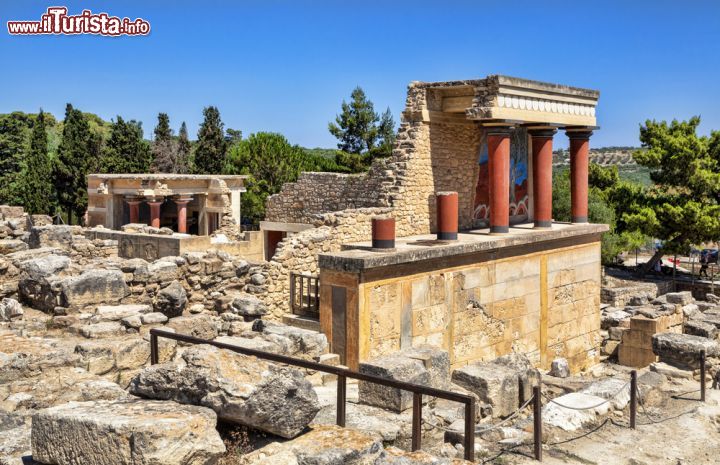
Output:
x=57 y=21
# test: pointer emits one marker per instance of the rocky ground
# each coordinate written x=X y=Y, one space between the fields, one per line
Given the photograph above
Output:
x=77 y=386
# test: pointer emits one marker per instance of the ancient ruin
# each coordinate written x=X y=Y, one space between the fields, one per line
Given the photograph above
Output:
x=441 y=267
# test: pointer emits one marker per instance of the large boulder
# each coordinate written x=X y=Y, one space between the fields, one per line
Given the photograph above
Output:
x=239 y=388
x=38 y=275
x=171 y=300
x=131 y=431
x=93 y=287
x=683 y=349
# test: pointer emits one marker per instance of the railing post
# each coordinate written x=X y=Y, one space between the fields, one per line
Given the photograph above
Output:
x=417 y=421
x=292 y=292
x=537 y=417
x=633 y=398
x=702 y=376
x=341 y=392
x=317 y=294
x=154 y=359
x=470 y=430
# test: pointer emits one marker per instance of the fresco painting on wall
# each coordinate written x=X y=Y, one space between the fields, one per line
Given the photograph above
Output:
x=519 y=198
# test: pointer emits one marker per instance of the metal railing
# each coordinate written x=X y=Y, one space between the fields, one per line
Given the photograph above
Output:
x=343 y=374
x=305 y=295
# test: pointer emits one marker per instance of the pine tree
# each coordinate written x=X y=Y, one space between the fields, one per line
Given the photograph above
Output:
x=164 y=147
x=34 y=184
x=682 y=208
x=182 y=162
x=77 y=154
x=126 y=151
x=356 y=126
x=211 y=145
x=386 y=136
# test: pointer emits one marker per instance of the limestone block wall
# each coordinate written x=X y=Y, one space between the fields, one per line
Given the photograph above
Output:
x=543 y=304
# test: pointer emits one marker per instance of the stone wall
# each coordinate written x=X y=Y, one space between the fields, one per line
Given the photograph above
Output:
x=542 y=304
x=299 y=253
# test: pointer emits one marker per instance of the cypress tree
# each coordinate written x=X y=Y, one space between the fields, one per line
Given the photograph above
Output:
x=126 y=151
x=76 y=154
x=13 y=146
x=182 y=162
x=211 y=145
x=34 y=185
x=164 y=148
x=162 y=130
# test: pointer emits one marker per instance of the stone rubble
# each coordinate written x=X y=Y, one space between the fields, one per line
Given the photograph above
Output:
x=239 y=388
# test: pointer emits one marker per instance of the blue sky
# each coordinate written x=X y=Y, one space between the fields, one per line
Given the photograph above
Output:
x=285 y=66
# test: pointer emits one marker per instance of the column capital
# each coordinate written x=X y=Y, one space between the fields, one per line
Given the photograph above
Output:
x=579 y=134
x=544 y=133
x=154 y=200
x=499 y=130
x=133 y=199
x=182 y=199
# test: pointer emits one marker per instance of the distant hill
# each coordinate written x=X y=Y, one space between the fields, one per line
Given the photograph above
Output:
x=605 y=156
x=611 y=156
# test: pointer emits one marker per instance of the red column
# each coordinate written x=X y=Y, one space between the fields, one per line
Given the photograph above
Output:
x=182 y=214
x=498 y=141
x=542 y=176
x=134 y=207
x=154 y=213
x=383 y=232
x=447 y=215
x=579 y=160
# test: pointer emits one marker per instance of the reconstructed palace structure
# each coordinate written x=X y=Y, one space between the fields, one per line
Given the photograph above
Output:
x=465 y=254
x=187 y=203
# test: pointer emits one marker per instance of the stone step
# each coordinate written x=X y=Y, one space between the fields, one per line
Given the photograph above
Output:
x=302 y=322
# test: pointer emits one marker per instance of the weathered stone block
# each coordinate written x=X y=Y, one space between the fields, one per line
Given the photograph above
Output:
x=397 y=367
x=239 y=388
x=700 y=328
x=494 y=384
x=683 y=349
x=171 y=300
x=126 y=432
x=681 y=298
x=93 y=287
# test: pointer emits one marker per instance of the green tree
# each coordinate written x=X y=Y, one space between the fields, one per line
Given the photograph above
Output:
x=386 y=133
x=360 y=130
x=681 y=208
x=182 y=161
x=604 y=206
x=270 y=161
x=211 y=146
x=162 y=130
x=126 y=151
x=77 y=155
x=164 y=147
x=13 y=146
x=35 y=182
